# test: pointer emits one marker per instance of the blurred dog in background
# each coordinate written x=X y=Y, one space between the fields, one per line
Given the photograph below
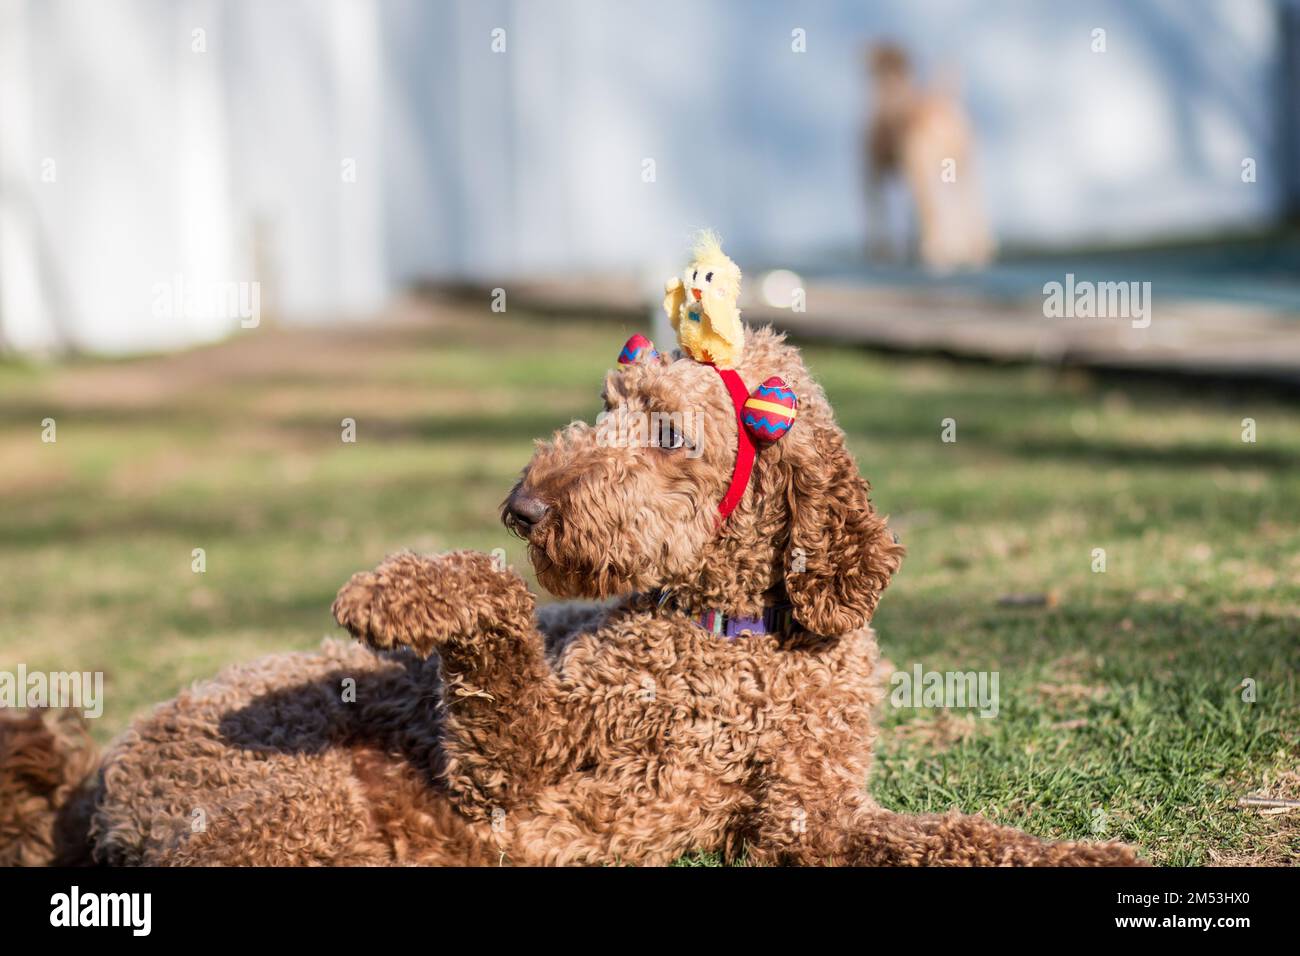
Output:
x=924 y=138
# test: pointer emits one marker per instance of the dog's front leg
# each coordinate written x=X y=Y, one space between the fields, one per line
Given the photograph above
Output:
x=849 y=829
x=508 y=729
x=458 y=604
x=815 y=812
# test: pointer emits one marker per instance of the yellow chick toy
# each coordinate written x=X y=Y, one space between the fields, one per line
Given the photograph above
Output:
x=703 y=309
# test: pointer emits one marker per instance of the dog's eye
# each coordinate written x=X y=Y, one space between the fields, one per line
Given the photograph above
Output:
x=670 y=437
x=695 y=275
x=708 y=277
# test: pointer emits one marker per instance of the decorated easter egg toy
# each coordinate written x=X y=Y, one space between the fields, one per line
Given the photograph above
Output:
x=635 y=349
x=770 y=410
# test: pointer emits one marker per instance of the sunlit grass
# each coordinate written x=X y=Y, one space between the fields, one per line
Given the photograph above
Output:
x=1120 y=713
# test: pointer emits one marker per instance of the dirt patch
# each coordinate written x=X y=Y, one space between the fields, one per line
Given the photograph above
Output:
x=1279 y=842
x=935 y=733
x=343 y=351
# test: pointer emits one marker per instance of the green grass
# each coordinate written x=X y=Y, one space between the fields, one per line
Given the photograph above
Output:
x=1118 y=694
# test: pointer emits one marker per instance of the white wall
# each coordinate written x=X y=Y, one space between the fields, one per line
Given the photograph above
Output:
x=468 y=162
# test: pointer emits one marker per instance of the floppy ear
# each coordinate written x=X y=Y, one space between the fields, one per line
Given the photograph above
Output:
x=840 y=555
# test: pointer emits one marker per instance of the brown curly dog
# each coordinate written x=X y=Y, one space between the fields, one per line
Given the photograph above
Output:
x=473 y=727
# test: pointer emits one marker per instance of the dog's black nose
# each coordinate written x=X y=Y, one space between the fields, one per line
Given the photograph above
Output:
x=525 y=511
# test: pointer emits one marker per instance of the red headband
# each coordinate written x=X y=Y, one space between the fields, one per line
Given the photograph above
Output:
x=745 y=447
x=763 y=415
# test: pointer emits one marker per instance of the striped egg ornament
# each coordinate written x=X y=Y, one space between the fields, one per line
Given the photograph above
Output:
x=770 y=410
x=636 y=348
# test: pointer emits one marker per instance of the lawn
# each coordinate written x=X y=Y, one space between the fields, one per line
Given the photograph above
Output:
x=1121 y=691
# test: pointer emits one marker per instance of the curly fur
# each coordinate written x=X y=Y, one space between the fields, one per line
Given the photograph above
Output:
x=46 y=764
x=470 y=727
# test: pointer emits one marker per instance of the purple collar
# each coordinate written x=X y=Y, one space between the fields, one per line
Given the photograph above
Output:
x=776 y=619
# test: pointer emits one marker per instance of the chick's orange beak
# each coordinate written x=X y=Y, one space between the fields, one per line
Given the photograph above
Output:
x=698 y=294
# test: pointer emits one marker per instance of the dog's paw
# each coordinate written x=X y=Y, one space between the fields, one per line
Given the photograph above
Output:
x=353 y=605
x=1105 y=854
x=422 y=601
